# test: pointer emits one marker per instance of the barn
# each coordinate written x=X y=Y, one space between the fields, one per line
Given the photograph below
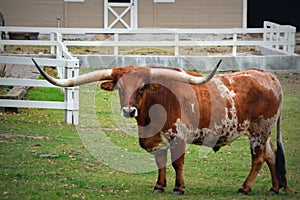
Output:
x=148 y=13
x=124 y=13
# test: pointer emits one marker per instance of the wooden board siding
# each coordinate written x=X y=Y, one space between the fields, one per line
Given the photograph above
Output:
x=199 y=14
x=90 y=13
x=41 y=13
x=146 y=17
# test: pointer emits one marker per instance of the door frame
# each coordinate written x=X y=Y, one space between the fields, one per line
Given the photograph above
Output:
x=128 y=7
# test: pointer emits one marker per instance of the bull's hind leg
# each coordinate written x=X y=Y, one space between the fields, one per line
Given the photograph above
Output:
x=257 y=144
x=261 y=151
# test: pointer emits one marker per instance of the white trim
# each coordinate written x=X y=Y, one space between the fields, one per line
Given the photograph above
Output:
x=74 y=1
x=164 y=1
x=129 y=8
x=245 y=13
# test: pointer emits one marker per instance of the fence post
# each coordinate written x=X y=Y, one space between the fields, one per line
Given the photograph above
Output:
x=291 y=39
x=1 y=46
x=72 y=94
x=59 y=55
x=58 y=48
x=76 y=95
x=105 y=14
x=234 y=46
x=52 y=38
x=176 y=48
x=266 y=34
x=116 y=46
x=277 y=39
x=286 y=39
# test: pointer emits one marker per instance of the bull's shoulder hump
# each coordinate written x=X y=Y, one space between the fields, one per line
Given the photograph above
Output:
x=163 y=67
x=253 y=72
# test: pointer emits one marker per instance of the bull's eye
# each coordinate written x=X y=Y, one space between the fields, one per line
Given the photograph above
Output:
x=144 y=87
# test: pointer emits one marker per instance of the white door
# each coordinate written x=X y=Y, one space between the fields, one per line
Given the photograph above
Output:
x=120 y=14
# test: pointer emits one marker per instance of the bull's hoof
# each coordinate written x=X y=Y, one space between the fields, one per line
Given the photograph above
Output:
x=241 y=191
x=157 y=190
x=178 y=192
x=273 y=192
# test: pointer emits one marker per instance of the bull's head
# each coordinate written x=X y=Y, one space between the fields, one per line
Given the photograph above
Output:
x=131 y=82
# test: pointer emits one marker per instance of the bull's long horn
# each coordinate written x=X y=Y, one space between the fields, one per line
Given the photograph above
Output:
x=80 y=80
x=182 y=77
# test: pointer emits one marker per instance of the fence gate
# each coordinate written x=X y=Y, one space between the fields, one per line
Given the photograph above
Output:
x=120 y=14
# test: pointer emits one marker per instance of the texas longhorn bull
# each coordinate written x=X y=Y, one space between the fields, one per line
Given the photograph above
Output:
x=173 y=107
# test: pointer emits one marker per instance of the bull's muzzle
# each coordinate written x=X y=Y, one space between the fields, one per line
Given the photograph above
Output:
x=129 y=112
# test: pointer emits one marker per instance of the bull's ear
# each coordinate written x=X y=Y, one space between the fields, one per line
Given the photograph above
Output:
x=154 y=86
x=108 y=86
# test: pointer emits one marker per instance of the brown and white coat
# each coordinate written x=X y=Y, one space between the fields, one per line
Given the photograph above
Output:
x=173 y=107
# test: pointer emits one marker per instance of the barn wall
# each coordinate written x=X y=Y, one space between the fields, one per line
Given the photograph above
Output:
x=146 y=17
x=89 y=14
x=199 y=14
x=40 y=13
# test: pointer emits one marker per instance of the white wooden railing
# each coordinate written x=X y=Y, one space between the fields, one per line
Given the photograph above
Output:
x=279 y=37
x=275 y=36
x=283 y=40
x=67 y=67
x=283 y=43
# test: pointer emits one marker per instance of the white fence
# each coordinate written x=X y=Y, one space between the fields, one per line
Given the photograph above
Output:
x=278 y=37
x=67 y=66
x=282 y=38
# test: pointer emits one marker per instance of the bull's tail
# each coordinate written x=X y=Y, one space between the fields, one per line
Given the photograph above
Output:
x=280 y=159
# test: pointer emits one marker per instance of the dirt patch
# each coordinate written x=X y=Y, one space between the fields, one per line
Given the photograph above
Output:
x=155 y=51
x=23 y=49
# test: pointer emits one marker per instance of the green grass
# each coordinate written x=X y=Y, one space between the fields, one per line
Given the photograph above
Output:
x=75 y=173
x=45 y=94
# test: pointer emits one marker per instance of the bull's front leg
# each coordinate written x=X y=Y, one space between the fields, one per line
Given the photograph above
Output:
x=177 y=148
x=161 y=162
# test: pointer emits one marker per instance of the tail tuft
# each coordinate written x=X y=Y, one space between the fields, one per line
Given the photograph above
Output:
x=280 y=166
x=280 y=159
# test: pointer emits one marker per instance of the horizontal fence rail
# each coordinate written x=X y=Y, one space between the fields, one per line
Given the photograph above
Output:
x=279 y=37
x=274 y=36
x=26 y=82
x=32 y=104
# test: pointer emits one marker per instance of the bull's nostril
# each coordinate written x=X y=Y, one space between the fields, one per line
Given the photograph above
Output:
x=129 y=112
x=132 y=113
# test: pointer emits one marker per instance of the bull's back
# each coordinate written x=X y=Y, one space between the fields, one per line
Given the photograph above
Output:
x=256 y=93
